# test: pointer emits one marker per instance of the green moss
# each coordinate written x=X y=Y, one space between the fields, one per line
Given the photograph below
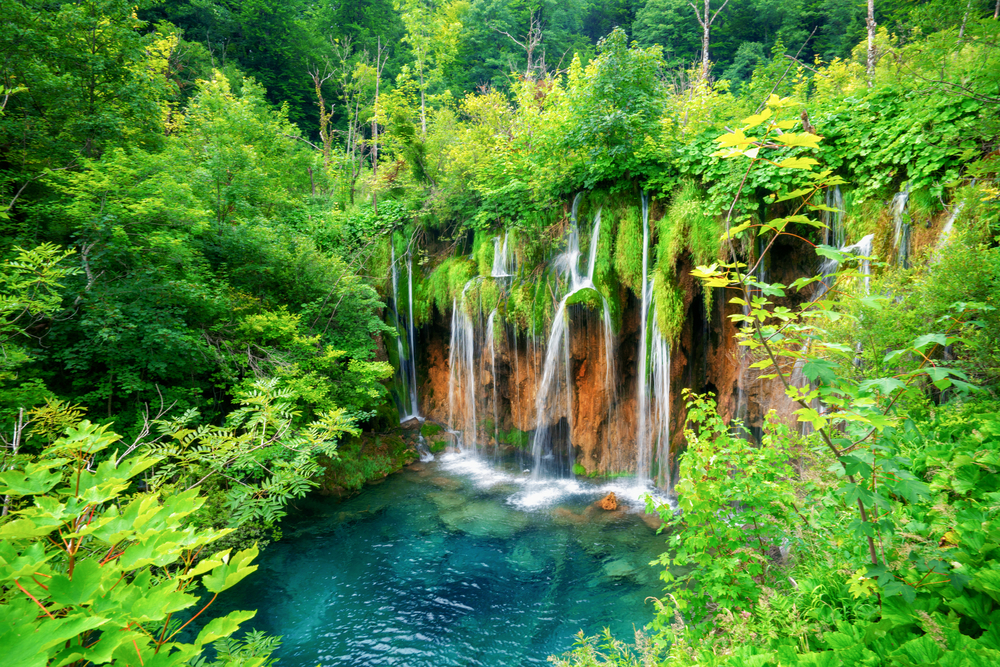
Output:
x=605 y=278
x=579 y=470
x=437 y=446
x=428 y=429
x=378 y=265
x=628 y=250
x=483 y=250
x=668 y=298
x=590 y=298
x=367 y=458
x=923 y=205
x=688 y=227
x=516 y=438
x=442 y=287
x=860 y=216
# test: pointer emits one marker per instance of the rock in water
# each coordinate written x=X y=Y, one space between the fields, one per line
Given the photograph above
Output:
x=609 y=502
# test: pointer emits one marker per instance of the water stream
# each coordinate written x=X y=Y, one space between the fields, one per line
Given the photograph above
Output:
x=452 y=563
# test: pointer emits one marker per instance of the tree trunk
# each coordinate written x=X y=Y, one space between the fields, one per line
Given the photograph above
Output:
x=706 y=28
x=871 y=43
x=965 y=19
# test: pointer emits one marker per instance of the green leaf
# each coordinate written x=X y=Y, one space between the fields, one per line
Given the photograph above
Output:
x=802 y=139
x=232 y=570
x=929 y=339
x=798 y=163
x=820 y=369
x=222 y=627
x=78 y=589
x=35 y=480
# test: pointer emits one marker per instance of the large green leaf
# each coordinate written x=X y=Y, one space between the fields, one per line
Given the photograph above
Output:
x=232 y=570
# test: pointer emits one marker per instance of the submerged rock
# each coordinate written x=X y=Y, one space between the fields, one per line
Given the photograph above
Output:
x=484 y=519
x=619 y=568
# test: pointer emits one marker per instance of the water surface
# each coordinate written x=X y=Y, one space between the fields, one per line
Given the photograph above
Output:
x=451 y=564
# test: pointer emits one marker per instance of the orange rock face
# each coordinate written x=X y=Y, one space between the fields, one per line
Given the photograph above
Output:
x=599 y=419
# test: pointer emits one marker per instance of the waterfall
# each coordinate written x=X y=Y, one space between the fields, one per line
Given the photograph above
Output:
x=653 y=381
x=462 y=378
x=493 y=372
x=503 y=264
x=659 y=362
x=406 y=371
x=833 y=235
x=642 y=394
x=554 y=385
x=862 y=248
x=945 y=236
x=414 y=403
x=901 y=228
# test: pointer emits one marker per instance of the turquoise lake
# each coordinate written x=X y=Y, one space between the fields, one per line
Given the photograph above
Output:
x=452 y=563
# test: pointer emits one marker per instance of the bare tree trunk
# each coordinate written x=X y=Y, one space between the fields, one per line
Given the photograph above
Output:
x=996 y=12
x=423 y=109
x=871 y=43
x=15 y=445
x=705 y=21
x=706 y=31
x=965 y=19
x=379 y=64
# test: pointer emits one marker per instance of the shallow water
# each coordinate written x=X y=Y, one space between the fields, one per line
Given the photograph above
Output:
x=451 y=564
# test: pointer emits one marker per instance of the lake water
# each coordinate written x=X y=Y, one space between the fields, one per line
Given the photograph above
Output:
x=452 y=563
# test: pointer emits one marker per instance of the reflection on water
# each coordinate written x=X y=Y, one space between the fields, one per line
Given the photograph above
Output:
x=451 y=564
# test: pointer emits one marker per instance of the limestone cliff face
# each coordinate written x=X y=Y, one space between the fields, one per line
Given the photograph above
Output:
x=601 y=416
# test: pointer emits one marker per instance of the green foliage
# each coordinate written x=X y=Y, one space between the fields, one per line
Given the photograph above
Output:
x=737 y=511
x=628 y=250
x=124 y=566
x=366 y=459
x=30 y=286
x=516 y=437
x=265 y=460
x=443 y=287
x=616 y=102
x=668 y=298
x=688 y=227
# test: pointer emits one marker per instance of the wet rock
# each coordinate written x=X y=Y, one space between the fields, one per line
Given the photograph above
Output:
x=484 y=519
x=411 y=424
x=446 y=483
x=652 y=520
x=609 y=502
x=416 y=467
x=566 y=517
x=619 y=569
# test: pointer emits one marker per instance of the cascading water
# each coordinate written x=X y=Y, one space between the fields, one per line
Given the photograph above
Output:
x=945 y=236
x=462 y=379
x=642 y=393
x=414 y=403
x=491 y=343
x=406 y=371
x=901 y=228
x=834 y=234
x=659 y=363
x=503 y=262
x=555 y=388
x=653 y=418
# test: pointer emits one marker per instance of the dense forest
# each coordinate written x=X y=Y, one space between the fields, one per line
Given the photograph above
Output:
x=210 y=211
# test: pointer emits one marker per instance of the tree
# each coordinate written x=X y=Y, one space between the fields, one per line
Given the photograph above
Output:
x=705 y=20
x=870 y=22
